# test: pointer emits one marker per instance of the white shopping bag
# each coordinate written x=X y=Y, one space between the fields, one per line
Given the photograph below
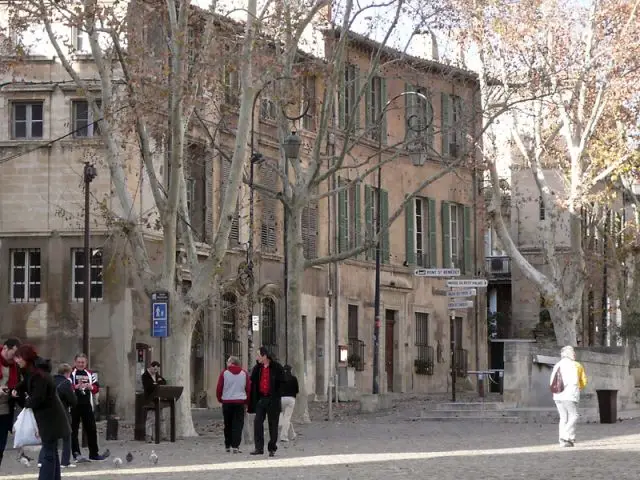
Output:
x=25 y=430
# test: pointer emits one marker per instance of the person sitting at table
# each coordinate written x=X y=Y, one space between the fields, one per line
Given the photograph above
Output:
x=151 y=378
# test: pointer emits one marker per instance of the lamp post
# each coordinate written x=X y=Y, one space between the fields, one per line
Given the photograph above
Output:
x=378 y=225
x=291 y=147
x=89 y=174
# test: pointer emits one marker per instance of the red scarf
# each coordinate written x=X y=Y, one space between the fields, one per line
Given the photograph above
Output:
x=13 y=372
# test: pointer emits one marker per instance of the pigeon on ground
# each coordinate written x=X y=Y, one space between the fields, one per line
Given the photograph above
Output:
x=25 y=461
x=153 y=458
x=117 y=462
x=129 y=457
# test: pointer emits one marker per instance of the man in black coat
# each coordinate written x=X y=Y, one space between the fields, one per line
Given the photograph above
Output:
x=69 y=400
x=267 y=378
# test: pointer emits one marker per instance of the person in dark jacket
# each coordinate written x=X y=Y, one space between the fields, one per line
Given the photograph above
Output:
x=151 y=378
x=85 y=385
x=38 y=392
x=69 y=400
x=266 y=384
x=289 y=392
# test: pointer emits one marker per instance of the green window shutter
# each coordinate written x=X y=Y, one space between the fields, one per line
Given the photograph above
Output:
x=356 y=90
x=409 y=232
x=468 y=265
x=357 y=214
x=343 y=227
x=446 y=235
x=383 y=102
x=462 y=128
x=384 y=222
x=368 y=109
x=446 y=124
x=430 y=129
x=341 y=97
x=409 y=109
x=433 y=243
x=368 y=218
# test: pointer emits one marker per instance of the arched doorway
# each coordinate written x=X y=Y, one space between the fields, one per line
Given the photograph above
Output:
x=198 y=393
x=229 y=314
x=269 y=326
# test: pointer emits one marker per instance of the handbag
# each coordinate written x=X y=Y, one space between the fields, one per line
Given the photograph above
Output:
x=25 y=430
x=557 y=385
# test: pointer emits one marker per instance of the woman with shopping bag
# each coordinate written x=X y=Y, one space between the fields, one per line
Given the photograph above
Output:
x=37 y=393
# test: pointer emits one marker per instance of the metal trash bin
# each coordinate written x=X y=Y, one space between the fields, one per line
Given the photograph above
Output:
x=608 y=405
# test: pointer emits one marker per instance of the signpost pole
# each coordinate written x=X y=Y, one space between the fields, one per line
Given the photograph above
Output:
x=452 y=337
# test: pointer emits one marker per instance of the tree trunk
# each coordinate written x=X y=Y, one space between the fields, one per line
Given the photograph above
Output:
x=177 y=366
x=565 y=315
x=295 y=272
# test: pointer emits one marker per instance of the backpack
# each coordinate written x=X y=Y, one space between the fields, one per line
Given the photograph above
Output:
x=557 y=385
x=582 y=377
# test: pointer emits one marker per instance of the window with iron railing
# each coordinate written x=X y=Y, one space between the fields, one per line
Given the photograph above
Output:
x=423 y=362
x=355 y=356
x=269 y=328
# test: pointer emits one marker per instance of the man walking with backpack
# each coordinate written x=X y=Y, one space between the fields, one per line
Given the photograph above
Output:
x=567 y=379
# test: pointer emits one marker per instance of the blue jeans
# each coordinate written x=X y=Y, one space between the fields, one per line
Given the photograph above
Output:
x=50 y=469
x=6 y=423
x=66 y=452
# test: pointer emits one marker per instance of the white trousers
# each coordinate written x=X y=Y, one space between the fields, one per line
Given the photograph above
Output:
x=288 y=404
x=568 y=411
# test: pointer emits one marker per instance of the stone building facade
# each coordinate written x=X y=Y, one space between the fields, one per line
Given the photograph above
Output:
x=42 y=260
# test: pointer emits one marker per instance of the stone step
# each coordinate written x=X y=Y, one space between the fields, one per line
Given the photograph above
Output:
x=474 y=406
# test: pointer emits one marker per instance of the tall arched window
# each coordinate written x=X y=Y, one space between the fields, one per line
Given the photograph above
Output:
x=269 y=332
x=229 y=316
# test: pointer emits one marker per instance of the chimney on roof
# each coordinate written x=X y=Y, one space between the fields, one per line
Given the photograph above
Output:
x=428 y=46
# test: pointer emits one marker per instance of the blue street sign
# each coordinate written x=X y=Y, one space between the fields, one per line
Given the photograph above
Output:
x=160 y=314
x=159 y=311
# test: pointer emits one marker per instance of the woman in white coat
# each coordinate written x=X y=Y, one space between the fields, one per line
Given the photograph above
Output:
x=566 y=394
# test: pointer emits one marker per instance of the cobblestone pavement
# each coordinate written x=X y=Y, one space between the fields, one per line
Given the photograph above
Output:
x=384 y=446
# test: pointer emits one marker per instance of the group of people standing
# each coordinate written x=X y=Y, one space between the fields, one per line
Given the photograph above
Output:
x=269 y=392
x=59 y=403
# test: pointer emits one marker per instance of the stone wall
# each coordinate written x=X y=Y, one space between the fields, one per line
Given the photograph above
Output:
x=527 y=369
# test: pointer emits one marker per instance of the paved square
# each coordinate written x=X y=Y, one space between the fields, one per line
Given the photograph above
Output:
x=384 y=447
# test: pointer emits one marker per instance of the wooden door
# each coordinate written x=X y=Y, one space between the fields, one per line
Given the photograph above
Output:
x=388 y=348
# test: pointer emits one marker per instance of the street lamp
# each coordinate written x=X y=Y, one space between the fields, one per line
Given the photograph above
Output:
x=89 y=174
x=291 y=146
x=377 y=317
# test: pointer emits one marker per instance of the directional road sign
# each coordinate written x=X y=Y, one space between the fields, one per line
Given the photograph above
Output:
x=469 y=292
x=160 y=314
x=471 y=282
x=437 y=272
x=460 y=304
